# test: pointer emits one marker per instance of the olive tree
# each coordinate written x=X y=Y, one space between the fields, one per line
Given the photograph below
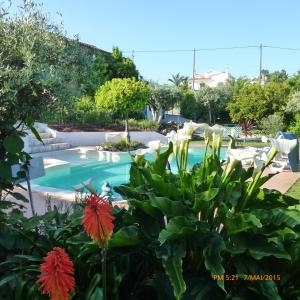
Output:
x=123 y=95
x=31 y=49
x=162 y=98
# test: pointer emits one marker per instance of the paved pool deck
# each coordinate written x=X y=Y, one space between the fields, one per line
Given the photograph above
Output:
x=281 y=182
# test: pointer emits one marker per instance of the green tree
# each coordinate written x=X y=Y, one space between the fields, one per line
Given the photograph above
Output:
x=256 y=101
x=271 y=124
x=31 y=59
x=188 y=105
x=124 y=95
x=101 y=67
x=293 y=105
x=162 y=97
x=122 y=67
x=212 y=101
x=179 y=81
x=294 y=82
x=276 y=76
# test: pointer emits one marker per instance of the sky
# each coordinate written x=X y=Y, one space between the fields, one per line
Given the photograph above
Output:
x=141 y=25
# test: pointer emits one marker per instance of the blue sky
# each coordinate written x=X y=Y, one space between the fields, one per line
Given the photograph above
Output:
x=187 y=24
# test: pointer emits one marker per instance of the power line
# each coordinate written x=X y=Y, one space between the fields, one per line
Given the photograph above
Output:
x=213 y=49
x=282 y=48
x=192 y=50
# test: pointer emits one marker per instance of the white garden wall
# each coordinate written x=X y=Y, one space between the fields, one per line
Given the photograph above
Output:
x=96 y=138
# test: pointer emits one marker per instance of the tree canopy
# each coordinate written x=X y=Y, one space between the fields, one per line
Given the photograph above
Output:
x=212 y=101
x=162 y=97
x=31 y=53
x=256 y=101
x=124 y=95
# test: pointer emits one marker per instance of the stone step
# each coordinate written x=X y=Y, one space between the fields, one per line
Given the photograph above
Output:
x=50 y=147
x=43 y=135
x=47 y=141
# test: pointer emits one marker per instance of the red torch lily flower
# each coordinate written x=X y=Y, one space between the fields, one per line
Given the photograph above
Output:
x=57 y=275
x=97 y=220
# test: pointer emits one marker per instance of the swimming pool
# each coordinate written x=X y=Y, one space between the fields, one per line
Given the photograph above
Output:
x=77 y=165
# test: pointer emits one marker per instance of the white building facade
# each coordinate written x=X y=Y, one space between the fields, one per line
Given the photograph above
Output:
x=211 y=78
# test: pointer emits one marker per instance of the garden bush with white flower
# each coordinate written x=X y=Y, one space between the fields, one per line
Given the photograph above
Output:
x=189 y=233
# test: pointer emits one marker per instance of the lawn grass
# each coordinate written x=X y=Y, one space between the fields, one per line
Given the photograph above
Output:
x=294 y=191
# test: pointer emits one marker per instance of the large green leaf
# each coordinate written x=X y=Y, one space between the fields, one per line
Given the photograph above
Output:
x=279 y=216
x=204 y=197
x=128 y=192
x=269 y=289
x=97 y=295
x=13 y=143
x=160 y=164
x=171 y=256
x=239 y=222
x=212 y=257
x=202 y=289
x=268 y=199
x=233 y=192
x=168 y=207
x=36 y=134
x=181 y=228
x=145 y=206
x=126 y=236
x=92 y=286
x=258 y=246
x=164 y=188
x=136 y=178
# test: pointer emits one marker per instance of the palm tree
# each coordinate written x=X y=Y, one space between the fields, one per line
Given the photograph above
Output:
x=178 y=80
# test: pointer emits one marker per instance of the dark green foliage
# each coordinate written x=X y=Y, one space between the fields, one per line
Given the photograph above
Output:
x=222 y=226
x=180 y=233
x=121 y=146
x=295 y=126
x=271 y=125
x=161 y=99
x=188 y=106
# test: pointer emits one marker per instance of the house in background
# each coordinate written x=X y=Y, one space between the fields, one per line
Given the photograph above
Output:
x=211 y=78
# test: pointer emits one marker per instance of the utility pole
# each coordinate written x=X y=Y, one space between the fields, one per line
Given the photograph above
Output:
x=260 y=62
x=132 y=55
x=194 y=68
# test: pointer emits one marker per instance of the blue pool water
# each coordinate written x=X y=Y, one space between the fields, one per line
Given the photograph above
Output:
x=101 y=166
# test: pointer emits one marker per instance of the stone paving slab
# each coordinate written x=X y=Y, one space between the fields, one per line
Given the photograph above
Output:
x=283 y=181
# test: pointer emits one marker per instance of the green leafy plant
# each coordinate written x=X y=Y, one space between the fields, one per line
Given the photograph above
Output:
x=272 y=124
x=142 y=124
x=212 y=220
x=189 y=233
x=121 y=146
x=295 y=126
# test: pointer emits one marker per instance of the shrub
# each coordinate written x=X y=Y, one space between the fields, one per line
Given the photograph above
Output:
x=295 y=126
x=121 y=146
x=188 y=106
x=85 y=112
x=142 y=124
x=210 y=232
x=271 y=124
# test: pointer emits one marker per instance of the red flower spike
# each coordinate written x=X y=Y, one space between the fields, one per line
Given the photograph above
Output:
x=57 y=275
x=97 y=220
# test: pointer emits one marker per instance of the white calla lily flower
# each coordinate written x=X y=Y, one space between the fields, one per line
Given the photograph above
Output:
x=190 y=127
x=284 y=146
x=241 y=154
x=258 y=165
x=171 y=136
x=217 y=135
x=155 y=145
